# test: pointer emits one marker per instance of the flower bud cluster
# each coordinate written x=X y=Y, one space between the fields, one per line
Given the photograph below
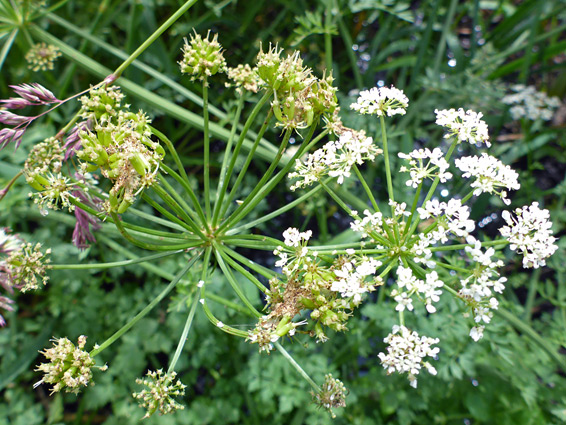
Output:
x=25 y=266
x=120 y=146
x=335 y=159
x=202 y=57
x=41 y=57
x=69 y=367
x=43 y=173
x=160 y=392
x=332 y=394
x=299 y=97
x=243 y=77
x=531 y=104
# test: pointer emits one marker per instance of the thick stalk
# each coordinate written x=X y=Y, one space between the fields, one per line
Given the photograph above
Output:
x=247 y=163
x=184 y=335
x=261 y=183
x=146 y=310
x=153 y=37
x=223 y=168
x=238 y=146
x=296 y=365
x=206 y=138
x=386 y=158
x=112 y=264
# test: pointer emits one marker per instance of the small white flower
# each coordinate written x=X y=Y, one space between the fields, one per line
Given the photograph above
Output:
x=220 y=324
x=491 y=175
x=467 y=126
x=381 y=101
x=406 y=352
x=531 y=104
x=530 y=233
x=477 y=332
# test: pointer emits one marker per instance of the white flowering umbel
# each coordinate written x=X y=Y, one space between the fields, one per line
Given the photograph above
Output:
x=162 y=388
x=406 y=353
x=69 y=367
x=335 y=159
x=436 y=166
x=381 y=101
x=526 y=102
x=530 y=234
x=467 y=126
x=491 y=175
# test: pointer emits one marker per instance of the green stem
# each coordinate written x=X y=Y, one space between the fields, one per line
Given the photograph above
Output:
x=234 y=216
x=533 y=289
x=238 y=146
x=386 y=157
x=467 y=197
x=348 y=47
x=223 y=168
x=112 y=264
x=432 y=188
x=413 y=209
x=187 y=210
x=148 y=246
x=275 y=213
x=188 y=190
x=235 y=286
x=166 y=213
x=268 y=187
x=153 y=37
x=184 y=335
x=146 y=310
x=248 y=161
x=499 y=242
x=232 y=263
x=264 y=271
x=206 y=149
x=296 y=365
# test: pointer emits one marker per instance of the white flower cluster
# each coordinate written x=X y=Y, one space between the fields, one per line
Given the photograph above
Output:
x=293 y=238
x=479 y=285
x=381 y=101
x=530 y=234
x=531 y=104
x=437 y=166
x=490 y=175
x=427 y=289
x=453 y=218
x=335 y=159
x=351 y=278
x=467 y=126
x=371 y=222
x=406 y=353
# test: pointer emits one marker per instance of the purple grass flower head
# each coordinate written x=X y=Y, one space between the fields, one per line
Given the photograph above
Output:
x=5 y=305
x=35 y=93
x=9 y=135
x=82 y=232
x=9 y=118
x=15 y=103
x=73 y=142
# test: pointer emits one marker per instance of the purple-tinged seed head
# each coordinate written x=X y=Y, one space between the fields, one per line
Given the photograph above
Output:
x=9 y=118
x=15 y=103
x=35 y=93
x=8 y=135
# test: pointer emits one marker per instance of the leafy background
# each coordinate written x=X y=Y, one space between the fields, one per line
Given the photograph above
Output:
x=443 y=53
